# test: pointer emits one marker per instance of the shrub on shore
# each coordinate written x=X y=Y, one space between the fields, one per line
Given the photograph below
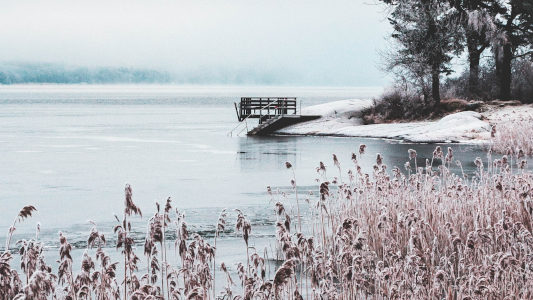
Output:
x=404 y=105
x=396 y=105
x=418 y=232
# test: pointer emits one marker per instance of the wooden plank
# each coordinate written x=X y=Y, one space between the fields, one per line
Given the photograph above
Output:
x=278 y=123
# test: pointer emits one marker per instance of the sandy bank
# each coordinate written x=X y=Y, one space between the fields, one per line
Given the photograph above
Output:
x=343 y=118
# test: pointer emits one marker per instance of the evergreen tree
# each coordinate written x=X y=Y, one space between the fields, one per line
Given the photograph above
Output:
x=515 y=28
x=477 y=20
x=426 y=37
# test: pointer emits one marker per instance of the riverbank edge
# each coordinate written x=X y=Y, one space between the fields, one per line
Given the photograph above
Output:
x=344 y=119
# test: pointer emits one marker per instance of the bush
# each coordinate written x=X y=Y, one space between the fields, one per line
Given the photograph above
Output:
x=396 y=105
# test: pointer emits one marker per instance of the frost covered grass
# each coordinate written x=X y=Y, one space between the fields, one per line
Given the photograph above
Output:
x=421 y=232
x=513 y=135
x=418 y=232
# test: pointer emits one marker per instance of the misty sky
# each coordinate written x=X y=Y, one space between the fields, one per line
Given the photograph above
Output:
x=305 y=42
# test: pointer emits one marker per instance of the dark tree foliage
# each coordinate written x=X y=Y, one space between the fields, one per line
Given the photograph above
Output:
x=426 y=38
x=515 y=34
x=476 y=19
x=429 y=33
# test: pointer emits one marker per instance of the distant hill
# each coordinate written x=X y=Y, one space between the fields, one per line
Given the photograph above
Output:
x=13 y=73
x=54 y=73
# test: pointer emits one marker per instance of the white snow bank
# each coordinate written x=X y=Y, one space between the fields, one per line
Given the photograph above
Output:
x=458 y=127
x=343 y=118
x=338 y=109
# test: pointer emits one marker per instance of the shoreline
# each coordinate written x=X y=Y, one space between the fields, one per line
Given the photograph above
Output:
x=405 y=141
x=344 y=119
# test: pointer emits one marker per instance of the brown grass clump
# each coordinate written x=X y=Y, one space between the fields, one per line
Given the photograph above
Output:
x=421 y=233
x=429 y=233
x=451 y=105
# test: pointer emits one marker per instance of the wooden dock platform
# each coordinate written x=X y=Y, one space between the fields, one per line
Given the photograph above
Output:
x=278 y=123
x=274 y=113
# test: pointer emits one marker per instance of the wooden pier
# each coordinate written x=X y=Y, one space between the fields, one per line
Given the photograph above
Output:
x=274 y=113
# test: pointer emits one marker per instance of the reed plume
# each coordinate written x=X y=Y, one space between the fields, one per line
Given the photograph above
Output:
x=388 y=233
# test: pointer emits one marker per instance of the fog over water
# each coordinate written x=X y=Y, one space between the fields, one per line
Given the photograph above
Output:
x=251 y=42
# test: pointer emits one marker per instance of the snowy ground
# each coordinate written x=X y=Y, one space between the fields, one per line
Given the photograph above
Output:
x=343 y=118
x=497 y=115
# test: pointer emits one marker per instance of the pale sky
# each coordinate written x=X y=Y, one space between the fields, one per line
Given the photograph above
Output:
x=311 y=42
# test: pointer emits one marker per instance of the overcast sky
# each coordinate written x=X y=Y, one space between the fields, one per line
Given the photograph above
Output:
x=309 y=41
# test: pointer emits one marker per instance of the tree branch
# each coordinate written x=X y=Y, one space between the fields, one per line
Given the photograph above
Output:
x=523 y=54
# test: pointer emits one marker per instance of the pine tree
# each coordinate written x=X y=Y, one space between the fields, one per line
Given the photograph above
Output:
x=426 y=37
x=477 y=19
x=515 y=27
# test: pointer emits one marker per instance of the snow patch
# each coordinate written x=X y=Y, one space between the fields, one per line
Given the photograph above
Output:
x=338 y=109
x=343 y=118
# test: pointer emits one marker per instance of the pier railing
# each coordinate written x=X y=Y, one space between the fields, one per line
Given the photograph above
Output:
x=263 y=108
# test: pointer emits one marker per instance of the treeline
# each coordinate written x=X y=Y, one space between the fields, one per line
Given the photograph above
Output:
x=13 y=73
x=495 y=36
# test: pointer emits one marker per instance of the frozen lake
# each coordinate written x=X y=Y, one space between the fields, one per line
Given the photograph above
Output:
x=69 y=151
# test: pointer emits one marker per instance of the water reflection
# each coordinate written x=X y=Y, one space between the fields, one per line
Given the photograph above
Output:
x=305 y=152
x=267 y=153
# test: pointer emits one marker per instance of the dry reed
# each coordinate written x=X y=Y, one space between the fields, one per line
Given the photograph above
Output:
x=422 y=233
x=513 y=136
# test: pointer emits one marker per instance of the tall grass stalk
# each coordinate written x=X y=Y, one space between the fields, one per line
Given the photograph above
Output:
x=426 y=233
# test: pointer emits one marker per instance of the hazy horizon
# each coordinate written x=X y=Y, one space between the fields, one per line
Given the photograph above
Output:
x=308 y=43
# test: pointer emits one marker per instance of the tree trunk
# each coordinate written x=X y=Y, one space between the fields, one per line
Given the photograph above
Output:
x=504 y=58
x=434 y=59
x=435 y=83
x=474 y=54
x=504 y=74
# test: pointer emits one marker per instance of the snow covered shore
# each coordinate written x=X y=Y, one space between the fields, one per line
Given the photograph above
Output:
x=343 y=118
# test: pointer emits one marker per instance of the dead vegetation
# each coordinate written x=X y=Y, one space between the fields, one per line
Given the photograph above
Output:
x=419 y=232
